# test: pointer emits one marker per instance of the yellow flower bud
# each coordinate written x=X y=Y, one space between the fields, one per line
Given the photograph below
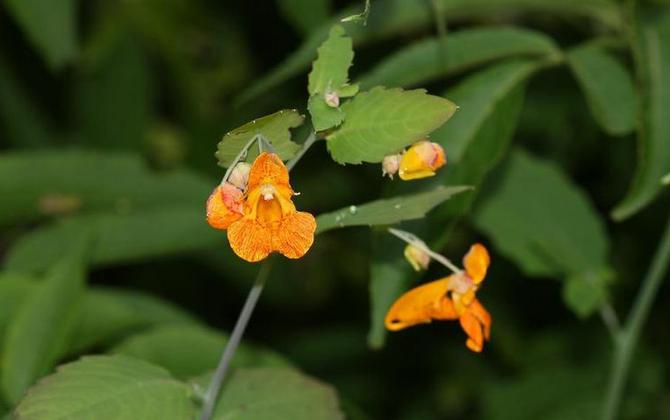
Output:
x=421 y=160
x=239 y=177
x=417 y=258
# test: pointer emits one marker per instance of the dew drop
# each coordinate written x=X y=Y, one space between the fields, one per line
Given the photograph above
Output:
x=397 y=206
x=353 y=209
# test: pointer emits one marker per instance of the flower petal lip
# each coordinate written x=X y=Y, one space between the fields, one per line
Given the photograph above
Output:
x=268 y=168
x=476 y=262
x=417 y=305
x=219 y=213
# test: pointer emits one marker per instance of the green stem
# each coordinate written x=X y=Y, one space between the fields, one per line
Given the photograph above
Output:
x=628 y=338
x=234 y=341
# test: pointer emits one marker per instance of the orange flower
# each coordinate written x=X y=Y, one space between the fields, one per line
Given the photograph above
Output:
x=449 y=298
x=263 y=219
x=421 y=160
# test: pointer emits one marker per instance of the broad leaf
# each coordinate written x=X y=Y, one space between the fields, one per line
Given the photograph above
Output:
x=14 y=290
x=433 y=58
x=384 y=121
x=191 y=350
x=653 y=160
x=608 y=88
x=50 y=26
x=323 y=115
x=275 y=128
x=385 y=212
x=543 y=222
x=119 y=238
x=276 y=393
x=108 y=388
x=330 y=71
x=52 y=183
x=38 y=333
x=585 y=291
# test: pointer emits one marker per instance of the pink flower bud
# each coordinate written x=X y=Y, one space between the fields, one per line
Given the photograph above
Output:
x=239 y=177
x=232 y=197
x=418 y=258
x=390 y=165
x=332 y=100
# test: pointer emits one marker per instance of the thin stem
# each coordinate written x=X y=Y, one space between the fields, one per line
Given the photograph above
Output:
x=610 y=319
x=305 y=146
x=234 y=341
x=411 y=239
x=630 y=335
x=440 y=19
x=238 y=158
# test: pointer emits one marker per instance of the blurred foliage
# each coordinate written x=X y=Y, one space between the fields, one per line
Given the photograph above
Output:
x=110 y=115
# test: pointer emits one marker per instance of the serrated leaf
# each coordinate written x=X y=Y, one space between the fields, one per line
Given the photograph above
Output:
x=323 y=115
x=109 y=314
x=50 y=26
x=274 y=127
x=119 y=238
x=608 y=88
x=385 y=212
x=584 y=292
x=39 y=184
x=543 y=222
x=432 y=58
x=384 y=121
x=653 y=160
x=38 y=333
x=276 y=393
x=108 y=388
x=330 y=70
x=191 y=350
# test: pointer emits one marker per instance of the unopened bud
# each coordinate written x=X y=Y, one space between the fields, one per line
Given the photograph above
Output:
x=390 y=165
x=232 y=197
x=332 y=100
x=239 y=177
x=418 y=258
x=421 y=160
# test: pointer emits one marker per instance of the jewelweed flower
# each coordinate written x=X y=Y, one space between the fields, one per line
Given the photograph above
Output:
x=263 y=219
x=421 y=160
x=417 y=257
x=449 y=298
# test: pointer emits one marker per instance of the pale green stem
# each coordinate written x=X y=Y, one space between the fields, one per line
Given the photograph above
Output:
x=241 y=324
x=238 y=158
x=629 y=336
x=413 y=240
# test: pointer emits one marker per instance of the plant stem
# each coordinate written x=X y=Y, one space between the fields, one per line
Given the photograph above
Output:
x=413 y=240
x=305 y=146
x=628 y=338
x=234 y=341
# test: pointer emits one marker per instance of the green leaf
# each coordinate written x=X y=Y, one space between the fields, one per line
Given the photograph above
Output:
x=432 y=58
x=323 y=115
x=119 y=238
x=50 y=27
x=477 y=97
x=14 y=290
x=56 y=182
x=276 y=393
x=191 y=350
x=539 y=219
x=384 y=121
x=653 y=146
x=108 y=388
x=585 y=291
x=330 y=71
x=386 y=212
x=108 y=315
x=275 y=128
x=608 y=88
x=38 y=333
x=305 y=15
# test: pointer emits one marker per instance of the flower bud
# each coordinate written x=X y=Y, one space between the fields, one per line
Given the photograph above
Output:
x=421 y=160
x=418 y=258
x=331 y=98
x=390 y=165
x=239 y=177
x=232 y=197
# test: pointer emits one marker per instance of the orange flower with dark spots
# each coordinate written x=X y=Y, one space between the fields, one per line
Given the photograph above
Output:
x=268 y=221
x=449 y=298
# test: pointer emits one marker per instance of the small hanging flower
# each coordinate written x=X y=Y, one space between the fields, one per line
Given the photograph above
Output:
x=421 y=160
x=449 y=298
x=263 y=219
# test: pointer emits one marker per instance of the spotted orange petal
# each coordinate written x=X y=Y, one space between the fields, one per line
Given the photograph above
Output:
x=295 y=234
x=417 y=305
x=268 y=168
x=476 y=262
x=483 y=316
x=250 y=240
x=473 y=329
x=219 y=212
